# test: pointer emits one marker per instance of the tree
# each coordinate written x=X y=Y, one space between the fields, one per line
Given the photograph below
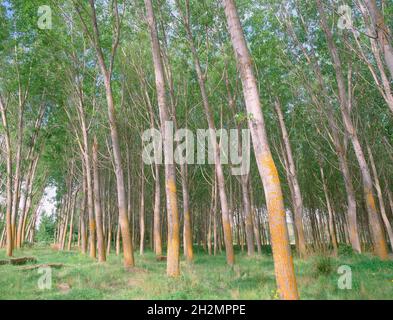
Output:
x=285 y=273
x=173 y=262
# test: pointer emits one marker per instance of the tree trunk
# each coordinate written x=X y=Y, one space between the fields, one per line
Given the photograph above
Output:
x=9 y=178
x=73 y=207
x=382 y=33
x=173 y=250
x=284 y=269
x=216 y=149
x=334 y=129
x=377 y=185
x=297 y=196
x=379 y=241
x=107 y=75
x=83 y=215
x=97 y=205
x=157 y=212
x=142 y=212
x=332 y=230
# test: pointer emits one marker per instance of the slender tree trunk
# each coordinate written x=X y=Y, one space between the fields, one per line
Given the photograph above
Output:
x=83 y=215
x=173 y=259
x=118 y=239
x=9 y=178
x=284 y=269
x=106 y=72
x=109 y=233
x=187 y=231
x=247 y=215
x=187 y=228
x=377 y=185
x=216 y=149
x=332 y=230
x=379 y=241
x=157 y=212
x=142 y=212
x=97 y=205
x=255 y=220
x=215 y=223
x=73 y=207
x=338 y=145
x=18 y=169
x=382 y=33
x=297 y=196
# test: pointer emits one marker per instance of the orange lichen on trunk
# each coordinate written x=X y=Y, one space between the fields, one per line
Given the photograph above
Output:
x=173 y=268
x=283 y=263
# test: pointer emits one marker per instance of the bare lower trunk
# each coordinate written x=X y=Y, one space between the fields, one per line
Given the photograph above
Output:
x=9 y=179
x=187 y=232
x=332 y=231
x=17 y=176
x=254 y=214
x=247 y=215
x=71 y=232
x=97 y=205
x=377 y=185
x=142 y=213
x=157 y=218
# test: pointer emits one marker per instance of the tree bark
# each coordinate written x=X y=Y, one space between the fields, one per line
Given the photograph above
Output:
x=382 y=33
x=173 y=250
x=283 y=264
x=97 y=205
x=9 y=178
x=377 y=185
x=297 y=196
x=332 y=231
x=142 y=212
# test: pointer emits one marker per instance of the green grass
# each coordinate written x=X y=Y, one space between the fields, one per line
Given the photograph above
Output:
x=207 y=278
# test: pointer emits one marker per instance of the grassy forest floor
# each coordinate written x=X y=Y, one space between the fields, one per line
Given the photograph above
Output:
x=207 y=278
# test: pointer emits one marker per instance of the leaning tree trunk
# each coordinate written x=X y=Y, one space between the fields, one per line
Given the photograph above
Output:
x=216 y=149
x=379 y=242
x=382 y=33
x=283 y=264
x=297 y=196
x=340 y=150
